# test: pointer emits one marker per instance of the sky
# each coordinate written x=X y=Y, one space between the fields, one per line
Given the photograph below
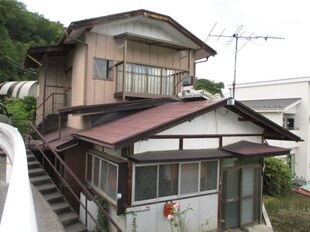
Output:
x=285 y=56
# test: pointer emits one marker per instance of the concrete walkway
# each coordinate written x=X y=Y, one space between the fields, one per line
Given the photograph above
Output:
x=46 y=218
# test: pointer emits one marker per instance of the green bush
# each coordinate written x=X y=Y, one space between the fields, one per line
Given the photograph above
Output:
x=22 y=110
x=277 y=177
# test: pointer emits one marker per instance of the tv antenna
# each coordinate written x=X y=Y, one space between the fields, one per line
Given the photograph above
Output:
x=237 y=36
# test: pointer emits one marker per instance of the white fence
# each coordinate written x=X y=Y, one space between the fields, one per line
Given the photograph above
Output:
x=18 y=213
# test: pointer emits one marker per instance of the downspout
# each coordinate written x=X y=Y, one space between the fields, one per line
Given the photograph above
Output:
x=85 y=64
x=124 y=70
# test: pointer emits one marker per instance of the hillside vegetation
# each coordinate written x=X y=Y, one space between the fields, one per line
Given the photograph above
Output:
x=19 y=30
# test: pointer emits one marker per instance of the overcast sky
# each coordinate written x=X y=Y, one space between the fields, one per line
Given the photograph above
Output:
x=257 y=60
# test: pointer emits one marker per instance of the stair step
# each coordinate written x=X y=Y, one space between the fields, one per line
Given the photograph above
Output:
x=36 y=180
x=46 y=188
x=68 y=218
x=76 y=227
x=36 y=172
x=31 y=157
x=53 y=197
x=33 y=164
x=59 y=207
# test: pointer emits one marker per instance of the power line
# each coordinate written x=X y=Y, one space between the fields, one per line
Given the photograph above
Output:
x=237 y=36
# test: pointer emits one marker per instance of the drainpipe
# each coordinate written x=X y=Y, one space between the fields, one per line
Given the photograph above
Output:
x=85 y=64
x=124 y=70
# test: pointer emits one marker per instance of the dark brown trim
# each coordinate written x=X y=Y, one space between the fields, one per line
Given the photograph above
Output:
x=114 y=107
x=200 y=136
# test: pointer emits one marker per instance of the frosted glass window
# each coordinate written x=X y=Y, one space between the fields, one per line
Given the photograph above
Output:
x=208 y=176
x=89 y=171
x=103 y=175
x=145 y=183
x=168 y=180
x=189 y=178
x=112 y=181
x=96 y=171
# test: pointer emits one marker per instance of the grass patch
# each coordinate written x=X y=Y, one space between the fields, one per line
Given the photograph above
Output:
x=289 y=213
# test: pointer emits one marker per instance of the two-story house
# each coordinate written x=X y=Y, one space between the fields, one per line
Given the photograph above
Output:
x=285 y=102
x=113 y=81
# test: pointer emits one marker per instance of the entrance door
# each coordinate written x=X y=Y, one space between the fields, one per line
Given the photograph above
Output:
x=240 y=197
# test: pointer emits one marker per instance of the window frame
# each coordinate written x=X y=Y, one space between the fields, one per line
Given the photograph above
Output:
x=109 y=71
x=98 y=188
x=178 y=195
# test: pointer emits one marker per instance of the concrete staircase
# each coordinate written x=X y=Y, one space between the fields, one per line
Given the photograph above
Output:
x=44 y=184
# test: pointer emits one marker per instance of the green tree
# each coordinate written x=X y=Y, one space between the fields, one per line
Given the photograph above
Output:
x=20 y=29
x=277 y=177
x=22 y=110
x=210 y=86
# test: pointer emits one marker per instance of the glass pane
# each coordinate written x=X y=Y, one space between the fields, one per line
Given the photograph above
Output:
x=96 y=171
x=112 y=181
x=247 y=211
x=168 y=180
x=231 y=219
x=247 y=182
x=89 y=167
x=103 y=176
x=232 y=185
x=208 y=176
x=189 y=178
x=145 y=183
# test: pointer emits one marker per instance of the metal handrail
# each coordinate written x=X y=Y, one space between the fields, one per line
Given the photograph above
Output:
x=19 y=200
x=80 y=184
x=52 y=95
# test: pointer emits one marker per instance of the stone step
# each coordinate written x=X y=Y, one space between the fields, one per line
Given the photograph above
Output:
x=31 y=157
x=36 y=172
x=46 y=188
x=61 y=206
x=33 y=164
x=53 y=197
x=36 y=180
x=76 y=227
x=68 y=218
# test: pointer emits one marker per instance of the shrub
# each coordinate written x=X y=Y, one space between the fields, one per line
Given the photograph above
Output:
x=277 y=177
x=22 y=110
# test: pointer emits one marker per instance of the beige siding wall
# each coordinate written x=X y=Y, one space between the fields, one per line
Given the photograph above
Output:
x=53 y=71
x=106 y=47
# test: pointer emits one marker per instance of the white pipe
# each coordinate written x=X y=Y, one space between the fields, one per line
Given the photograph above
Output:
x=18 y=213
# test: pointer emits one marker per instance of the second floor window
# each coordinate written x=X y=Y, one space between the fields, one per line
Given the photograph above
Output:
x=102 y=69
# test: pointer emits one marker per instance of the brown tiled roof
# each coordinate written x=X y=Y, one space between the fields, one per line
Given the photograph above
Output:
x=142 y=125
x=249 y=149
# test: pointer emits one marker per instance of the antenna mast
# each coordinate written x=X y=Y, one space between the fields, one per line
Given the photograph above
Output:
x=236 y=36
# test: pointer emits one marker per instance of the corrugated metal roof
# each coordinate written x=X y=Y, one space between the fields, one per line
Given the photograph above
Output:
x=250 y=149
x=271 y=104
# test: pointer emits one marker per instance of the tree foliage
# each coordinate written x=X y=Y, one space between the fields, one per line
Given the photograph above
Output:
x=22 y=110
x=210 y=86
x=277 y=177
x=19 y=30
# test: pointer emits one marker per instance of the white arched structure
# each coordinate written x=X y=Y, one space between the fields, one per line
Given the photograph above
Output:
x=18 y=213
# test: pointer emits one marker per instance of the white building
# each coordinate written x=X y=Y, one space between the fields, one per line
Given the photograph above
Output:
x=287 y=103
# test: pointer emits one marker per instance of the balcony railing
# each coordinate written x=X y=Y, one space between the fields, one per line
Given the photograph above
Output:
x=146 y=81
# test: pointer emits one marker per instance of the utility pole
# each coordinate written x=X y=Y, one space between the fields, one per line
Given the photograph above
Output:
x=236 y=36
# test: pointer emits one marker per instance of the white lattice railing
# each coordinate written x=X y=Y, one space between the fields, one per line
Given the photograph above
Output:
x=18 y=213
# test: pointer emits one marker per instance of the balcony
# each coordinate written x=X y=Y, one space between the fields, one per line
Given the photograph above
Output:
x=142 y=81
